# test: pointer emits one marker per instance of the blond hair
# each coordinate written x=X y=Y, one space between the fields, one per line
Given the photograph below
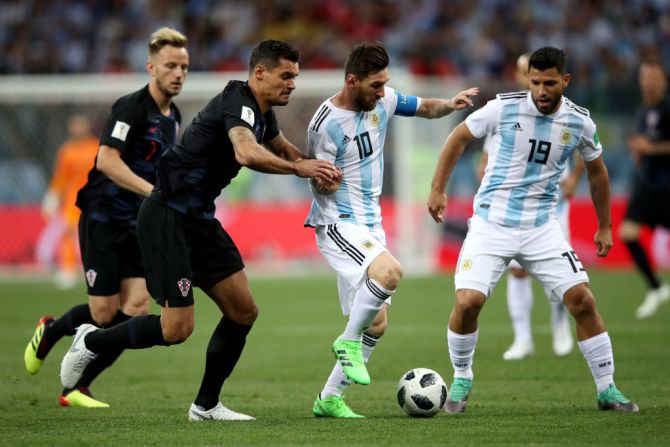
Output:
x=166 y=36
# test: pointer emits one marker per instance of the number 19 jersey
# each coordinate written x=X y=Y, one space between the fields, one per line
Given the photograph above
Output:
x=528 y=152
x=354 y=142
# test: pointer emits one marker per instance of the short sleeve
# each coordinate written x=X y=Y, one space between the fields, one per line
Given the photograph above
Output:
x=484 y=120
x=123 y=123
x=271 y=125
x=589 y=143
x=238 y=111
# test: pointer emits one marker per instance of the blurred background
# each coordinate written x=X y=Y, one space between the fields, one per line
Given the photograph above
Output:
x=64 y=57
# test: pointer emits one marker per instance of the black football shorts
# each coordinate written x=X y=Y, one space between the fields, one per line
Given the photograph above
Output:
x=182 y=252
x=109 y=253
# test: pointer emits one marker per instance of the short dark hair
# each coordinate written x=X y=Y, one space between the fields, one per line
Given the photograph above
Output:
x=270 y=52
x=365 y=59
x=548 y=57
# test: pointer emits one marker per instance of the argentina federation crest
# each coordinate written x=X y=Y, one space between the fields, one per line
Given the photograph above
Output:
x=374 y=118
x=565 y=136
x=184 y=286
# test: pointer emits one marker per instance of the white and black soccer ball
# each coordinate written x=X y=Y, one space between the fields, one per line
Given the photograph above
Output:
x=421 y=392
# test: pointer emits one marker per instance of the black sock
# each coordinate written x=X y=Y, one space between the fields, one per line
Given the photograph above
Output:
x=119 y=318
x=65 y=325
x=135 y=333
x=642 y=263
x=105 y=359
x=223 y=352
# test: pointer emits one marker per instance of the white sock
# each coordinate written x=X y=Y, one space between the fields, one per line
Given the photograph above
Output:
x=461 y=352
x=337 y=381
x=559 y=314
x=520 y=304
x=597 y=351
x=367 y=303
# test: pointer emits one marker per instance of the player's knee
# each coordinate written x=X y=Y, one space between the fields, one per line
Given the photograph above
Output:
x=135 y=309
x=468 y=305
x=388 y=274
x=580 y=302
x=245 y=316
x=174 y=334
x=103 y=315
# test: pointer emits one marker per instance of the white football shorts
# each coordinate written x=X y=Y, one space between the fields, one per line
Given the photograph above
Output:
x=563 y=215
x=349 y=250
x=543 y=251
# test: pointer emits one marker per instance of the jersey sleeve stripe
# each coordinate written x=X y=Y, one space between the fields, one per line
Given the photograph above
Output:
x=322 y=116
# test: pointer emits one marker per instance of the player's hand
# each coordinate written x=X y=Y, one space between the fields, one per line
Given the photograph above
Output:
x=328 y=187
x=462 y=99
x=321 y=170
x=603 y=241
x=437 y=202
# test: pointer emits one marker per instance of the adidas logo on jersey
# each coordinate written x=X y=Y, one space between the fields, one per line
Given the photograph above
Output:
x=346 y=140
x=517 y=127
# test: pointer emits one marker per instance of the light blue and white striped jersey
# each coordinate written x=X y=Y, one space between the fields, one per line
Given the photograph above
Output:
x=354 y=141
x=528 y=152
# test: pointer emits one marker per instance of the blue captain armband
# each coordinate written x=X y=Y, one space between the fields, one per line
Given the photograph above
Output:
x=407 y=105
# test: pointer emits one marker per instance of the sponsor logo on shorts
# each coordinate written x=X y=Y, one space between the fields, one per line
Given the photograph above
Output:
x=184 y=286
x=90 y=277
x=467 y=264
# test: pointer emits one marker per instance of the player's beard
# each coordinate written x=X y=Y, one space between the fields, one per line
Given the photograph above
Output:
x=366 y=106
x=553 y=104
x=167 y=92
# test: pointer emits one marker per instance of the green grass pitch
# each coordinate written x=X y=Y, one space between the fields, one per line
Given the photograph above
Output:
x=543 y=400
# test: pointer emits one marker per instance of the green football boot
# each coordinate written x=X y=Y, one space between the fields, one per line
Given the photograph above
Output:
x=350 y=355
x=458 y=395
x=613 y=399
x=82 y=398
x=333 y=407
x=35 y=352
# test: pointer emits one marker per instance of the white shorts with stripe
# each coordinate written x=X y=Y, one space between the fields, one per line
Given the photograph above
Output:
x=563 y=219
x=349 y=249
x=543 y=251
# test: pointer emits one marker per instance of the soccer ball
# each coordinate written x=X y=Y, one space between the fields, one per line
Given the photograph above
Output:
x=421 y=392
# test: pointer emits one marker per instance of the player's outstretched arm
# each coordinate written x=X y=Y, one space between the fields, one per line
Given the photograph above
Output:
x=284 y=148
x=599 y=185
x=451 y=151
x=254 y=156
x=437 y=108
x=109 y=162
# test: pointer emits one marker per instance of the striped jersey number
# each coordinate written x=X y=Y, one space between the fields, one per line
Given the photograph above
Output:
x=574 y=261
x=364 y=145
x=539 y=151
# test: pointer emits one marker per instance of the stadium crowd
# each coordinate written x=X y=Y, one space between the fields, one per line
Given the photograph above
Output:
x=477 y=38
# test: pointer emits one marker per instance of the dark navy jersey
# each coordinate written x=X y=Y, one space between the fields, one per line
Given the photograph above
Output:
x=137 y=128
x=193 y=173
x=654 y=122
